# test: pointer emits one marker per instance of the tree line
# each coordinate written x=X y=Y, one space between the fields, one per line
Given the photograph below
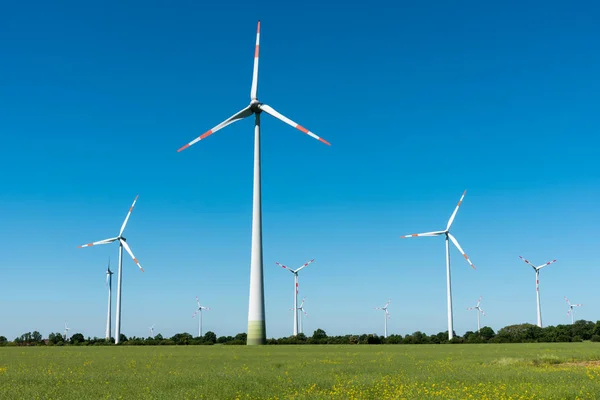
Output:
x=521 y=333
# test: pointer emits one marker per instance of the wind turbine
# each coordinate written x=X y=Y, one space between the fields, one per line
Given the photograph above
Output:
x=122 y=244
x=256 y=309
x=537 y=287
x=199 y=310
x=151 y=331
x=295 y=272
x=448 y=236
x=66 y=332
x=571 y=310
x=302 y=310
x=479 y=311
x=386 y=316
x=109 y=274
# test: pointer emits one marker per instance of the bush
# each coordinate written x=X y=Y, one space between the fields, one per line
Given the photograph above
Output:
x=596 y=338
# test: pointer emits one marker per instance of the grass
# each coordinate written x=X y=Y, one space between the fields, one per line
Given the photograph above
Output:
x=489 y=371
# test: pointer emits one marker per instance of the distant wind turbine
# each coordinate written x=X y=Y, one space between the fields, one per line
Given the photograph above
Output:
x=199 y=310
x=151 y=331
x=537 y=287
x=450 y=237
x=301 y=310
x=479 y=311
x=66 y=332
x=295 y=272
x=386 y=316
x=571 y=310
x=109 y=274
x=256 y=310
x=122 y=244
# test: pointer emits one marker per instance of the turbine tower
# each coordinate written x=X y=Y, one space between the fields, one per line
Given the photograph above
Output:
x=122 y=244
x=256 y=308
x=479 y=311
x=571 y=310
x=199 y=310
x=109 y=284
x=295 y=272
x=448 y=237
x=386 y=316
x=537 y=287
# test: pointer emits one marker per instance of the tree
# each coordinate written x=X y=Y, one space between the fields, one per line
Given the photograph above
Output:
x=77 y=338
x=3 y=340
x=319 y=334
x=36 y=337
x=486 y=333
x=210 y=337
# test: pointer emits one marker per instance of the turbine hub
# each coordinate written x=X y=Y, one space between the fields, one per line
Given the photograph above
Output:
x=254 y=106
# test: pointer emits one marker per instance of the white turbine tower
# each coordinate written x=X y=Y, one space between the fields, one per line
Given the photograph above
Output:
x=109 y=274
x=66 y=332
x=151 y=331
x=453 y=239
x=199 y=310
x=571 y=310
x=479 y=311
x=537 y=287
x=302 y=310
x=122 y=244
x=295 y=272
x=386 y=316
x=256 y=309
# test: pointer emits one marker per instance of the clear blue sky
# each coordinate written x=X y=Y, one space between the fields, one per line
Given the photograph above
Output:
x=419 y=102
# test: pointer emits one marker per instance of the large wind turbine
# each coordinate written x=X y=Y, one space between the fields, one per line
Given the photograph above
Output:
x=537 y=287
x=199 y=310
x=256 y=309
x=448 y=236
x=479 y=311
x=109 y=274
x=571 y=310
x=122 y=244
x=295 y=272
x=386 y=316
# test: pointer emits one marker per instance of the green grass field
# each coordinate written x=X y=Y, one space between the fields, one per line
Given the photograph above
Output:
x=487 y=371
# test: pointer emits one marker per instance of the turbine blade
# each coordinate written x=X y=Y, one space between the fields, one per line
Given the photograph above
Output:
x=105 y=241
x=269 y=110
x=548 y=263
x=479 y=301
x=460 y=249
x=195 y=312
x=455 y=210
x=283 y=266
x=423 y=234
x=128 y=214
x=527 y=261
x=254 y=89
x=198 y=301
x=567 y=300
x=482 y=312
x=246 y=112
x=126 y=246
x=305 y=265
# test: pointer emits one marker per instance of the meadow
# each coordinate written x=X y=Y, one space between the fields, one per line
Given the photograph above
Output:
x=477 y=371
